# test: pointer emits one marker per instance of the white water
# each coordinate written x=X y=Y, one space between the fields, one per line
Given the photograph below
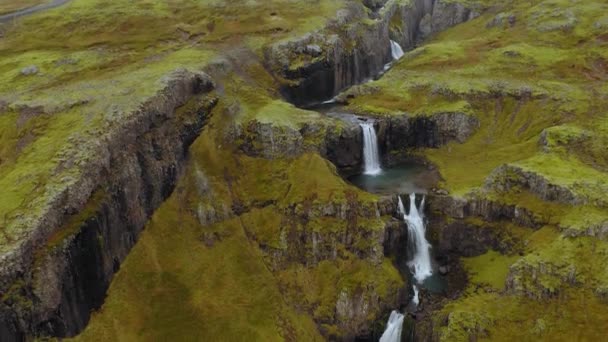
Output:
x=420 y=264
x=371 y=156
x=396 y=50
x=393 y=328
x=416 y=299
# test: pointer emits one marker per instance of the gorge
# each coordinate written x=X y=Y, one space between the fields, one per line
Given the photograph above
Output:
x=197 y=171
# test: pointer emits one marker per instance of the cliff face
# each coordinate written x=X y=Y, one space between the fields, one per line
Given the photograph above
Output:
x=340 y=139
x=60 y=276
x=62 y=271
x=356 y=46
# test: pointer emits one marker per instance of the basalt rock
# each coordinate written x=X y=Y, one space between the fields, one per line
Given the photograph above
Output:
x=540 y=278
x=401 y=133
x=481 y=207
x=360 y=50
x=507 y=177
x=61 y=272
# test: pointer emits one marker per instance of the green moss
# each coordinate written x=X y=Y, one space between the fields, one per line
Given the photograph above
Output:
x=317 y=288
x=16 y=296
x=536 y=89
x=171 y=285
x=75 y=222
x=490 y=269
x=492 y=317
x=265 y=226
x=93 y=77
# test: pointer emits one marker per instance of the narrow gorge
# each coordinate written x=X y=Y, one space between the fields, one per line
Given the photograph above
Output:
x=352 y=170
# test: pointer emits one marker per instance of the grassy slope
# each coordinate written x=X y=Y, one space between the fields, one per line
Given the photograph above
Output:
x=546 y=73
x=174 y=286
x=186 y=279
x=98 y=61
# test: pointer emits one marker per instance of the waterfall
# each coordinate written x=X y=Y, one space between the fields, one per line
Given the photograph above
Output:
x=396 y=50
x=371 y=156
x=415 y=299
x=420 y=264
x=393 y=328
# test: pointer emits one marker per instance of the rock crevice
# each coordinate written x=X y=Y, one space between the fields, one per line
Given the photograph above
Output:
x=62 y=272
x=354 y=47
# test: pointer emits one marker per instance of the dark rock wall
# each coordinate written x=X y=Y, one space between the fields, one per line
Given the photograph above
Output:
x=67 y=280
x=317 y=67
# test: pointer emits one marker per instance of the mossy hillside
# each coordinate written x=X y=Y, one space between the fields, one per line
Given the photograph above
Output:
x=173 y=286
x=489 y=316
x=537 y=90
x=318 y=289
x=489 y=269
x=91 y=76
x=517 y=80
x=54 y=138
x=219 y=235
x=555 y=292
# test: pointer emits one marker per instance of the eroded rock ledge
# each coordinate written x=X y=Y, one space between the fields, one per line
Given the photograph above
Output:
x=341 y=141
x=356 y=45
x=62 y=270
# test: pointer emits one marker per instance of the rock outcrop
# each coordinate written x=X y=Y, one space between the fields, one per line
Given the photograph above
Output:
x=341 y=141
x=484 y=208
x=507 y=177
x=356 y=45
x=61 y=271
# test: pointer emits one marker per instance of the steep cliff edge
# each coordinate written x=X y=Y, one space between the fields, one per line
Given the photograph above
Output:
x=355 y=47
x=61 y=272
x=521 y=204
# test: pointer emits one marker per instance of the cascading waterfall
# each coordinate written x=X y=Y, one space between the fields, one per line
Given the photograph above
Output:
x=393 y=328
x=396 y=50
x=415 y=299
x=420 y=264
x=371 y=156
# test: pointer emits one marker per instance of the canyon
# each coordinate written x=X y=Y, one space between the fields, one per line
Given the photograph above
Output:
x=209 y=172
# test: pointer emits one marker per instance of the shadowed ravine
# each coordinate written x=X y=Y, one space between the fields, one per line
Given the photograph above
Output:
x=356 y=170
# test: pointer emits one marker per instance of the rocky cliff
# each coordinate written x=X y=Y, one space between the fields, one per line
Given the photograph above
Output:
x=61 y=272
x=356 y=46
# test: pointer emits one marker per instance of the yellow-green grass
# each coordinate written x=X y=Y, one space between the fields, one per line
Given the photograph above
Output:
x=98 y=62
x=489 y=269
x=517 y=81
x=187 y=280
x=575 y=316
x=538 y=90
x=173 y=287
x=319 y=288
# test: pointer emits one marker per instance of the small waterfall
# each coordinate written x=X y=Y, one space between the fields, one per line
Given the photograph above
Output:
x=393 y=328
x=371 y=156
x=396 y=50
x=420 y=264
x=415 y=299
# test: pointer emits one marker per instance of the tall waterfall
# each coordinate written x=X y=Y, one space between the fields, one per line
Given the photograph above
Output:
x=393 y=328
x=371 y=156
x=420 y=264
x=396 y=50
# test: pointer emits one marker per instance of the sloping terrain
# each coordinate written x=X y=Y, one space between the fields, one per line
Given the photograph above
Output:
x=155 y=172
x=534 y=76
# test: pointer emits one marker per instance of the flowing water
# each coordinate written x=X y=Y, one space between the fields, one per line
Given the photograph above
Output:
x=420 y=263
x=415 y=299
x=371 y=155
x=396 y=50
x=393 y=328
